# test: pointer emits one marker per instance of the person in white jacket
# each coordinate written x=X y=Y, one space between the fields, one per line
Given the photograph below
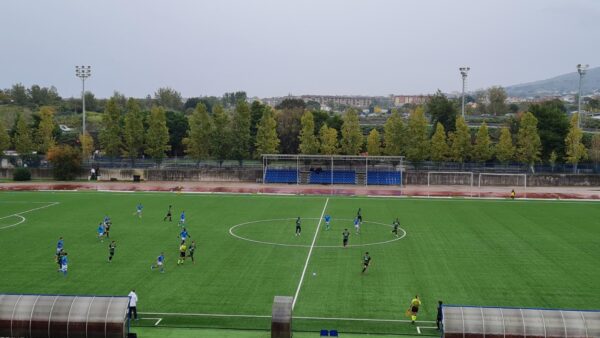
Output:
x=133 y=298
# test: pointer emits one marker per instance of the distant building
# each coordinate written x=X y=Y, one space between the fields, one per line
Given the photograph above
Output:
x=400 y=100
x=328 y=100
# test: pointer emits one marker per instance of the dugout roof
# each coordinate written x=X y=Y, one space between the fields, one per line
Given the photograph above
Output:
x=63 y=316
x=474 y=322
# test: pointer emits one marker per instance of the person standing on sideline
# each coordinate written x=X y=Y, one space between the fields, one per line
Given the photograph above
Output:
x=298 y=227
x=512 y=194
x=133 y=298
x=440 y=316
x=414 y=308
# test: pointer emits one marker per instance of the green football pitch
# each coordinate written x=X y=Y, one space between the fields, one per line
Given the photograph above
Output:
x=475 y=252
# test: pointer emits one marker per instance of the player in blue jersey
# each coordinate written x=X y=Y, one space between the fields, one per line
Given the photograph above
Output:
x=327 y=222
x=60 y=245
x=64 y=264
x=184 y=235
x=139 y=210
x=182 y=218
x=101 y=232
x=357 y=225
x=160 y=261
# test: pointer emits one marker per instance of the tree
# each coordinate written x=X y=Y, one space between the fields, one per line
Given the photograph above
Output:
x=374 y=143
x=256 y=113
x=417 y=140
x=197 y=142
x=309 y=144
x=22 y=138
x=328 y=138
x=110 y=135
x=595 y=149
x=169 y=98
x=553 y=126
x=439 y=146
x=482 y=150
x=529 y=146
x=133 y=132
x=352 y=137
x=221 y=137
x=393 y=133
x=267 y=141
x=460 y=141
x=575 y=150
x=4 y=139
x=91 y=104
x=157 y=136
x=291 y=104
x=288 y=128
x=66 y=162
x=45 y=130
x=42 y=96
x=505 y=150
x=240 y=129
x=497 y=97
x=442 y=110
x=87 y=144
x=19 y=94
x=232 y=99
x=178 y=127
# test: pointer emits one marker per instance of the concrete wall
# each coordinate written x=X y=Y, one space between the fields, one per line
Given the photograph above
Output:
x=255 y=175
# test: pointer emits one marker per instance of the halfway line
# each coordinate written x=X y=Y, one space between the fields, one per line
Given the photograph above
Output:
x=309 y=253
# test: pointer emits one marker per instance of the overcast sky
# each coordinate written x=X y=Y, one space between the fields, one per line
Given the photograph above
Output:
x=277 y=47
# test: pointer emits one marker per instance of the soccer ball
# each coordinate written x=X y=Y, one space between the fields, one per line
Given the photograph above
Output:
x=314 y=273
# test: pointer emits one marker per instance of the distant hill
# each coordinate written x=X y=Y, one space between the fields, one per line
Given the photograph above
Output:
x=559 y=85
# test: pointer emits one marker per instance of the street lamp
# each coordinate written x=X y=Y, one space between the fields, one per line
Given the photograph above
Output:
x=581 y=69
x=463 y=72
x=83 y=72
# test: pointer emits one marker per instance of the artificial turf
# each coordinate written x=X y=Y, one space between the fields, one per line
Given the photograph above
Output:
x=475 y=252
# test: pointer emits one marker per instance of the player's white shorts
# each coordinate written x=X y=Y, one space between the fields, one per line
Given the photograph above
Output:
x=357 y=226
x=100 y=234
x=64 y=267
x=159 y=263
x=58 y=250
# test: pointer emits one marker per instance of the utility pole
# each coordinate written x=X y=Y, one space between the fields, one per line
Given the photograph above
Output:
x=581 y=69
x=83 y=72
x=463 y=72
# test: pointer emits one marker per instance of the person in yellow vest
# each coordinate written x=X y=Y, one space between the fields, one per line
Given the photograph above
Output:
x=414 y=308
x=512 y=194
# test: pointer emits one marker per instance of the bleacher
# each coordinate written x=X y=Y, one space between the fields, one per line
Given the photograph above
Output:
x=338 y=177
x=384 y=178
x=281 y=176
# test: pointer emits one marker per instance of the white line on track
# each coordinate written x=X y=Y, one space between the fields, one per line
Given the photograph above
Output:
x=309 y=253
x=19 y=214
x=425 y=327
x=185 y=314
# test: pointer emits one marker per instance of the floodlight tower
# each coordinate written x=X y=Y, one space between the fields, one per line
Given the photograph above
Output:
x=463 y=72
x=83 y=72
x=581 y=69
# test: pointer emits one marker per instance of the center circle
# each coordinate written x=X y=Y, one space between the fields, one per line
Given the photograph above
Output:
x=233 y=228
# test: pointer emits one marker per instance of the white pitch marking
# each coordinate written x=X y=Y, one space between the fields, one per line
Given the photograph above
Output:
x=19 y=214
x=425 y=327
x=307 y=246
x=158 y=320
x=309 y=253
x=297 y=317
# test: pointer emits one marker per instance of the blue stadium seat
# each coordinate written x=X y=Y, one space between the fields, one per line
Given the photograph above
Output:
x=384 y=177
x=281 y=176
x=338 y=177
x=333 y=333
x=324 y=333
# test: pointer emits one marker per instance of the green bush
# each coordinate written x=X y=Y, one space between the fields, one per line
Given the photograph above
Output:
x=66 y=162
x=22 y=174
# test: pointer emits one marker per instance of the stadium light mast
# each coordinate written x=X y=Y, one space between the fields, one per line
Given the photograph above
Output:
x=581 y=69
x=83 y=72
x=463 y=72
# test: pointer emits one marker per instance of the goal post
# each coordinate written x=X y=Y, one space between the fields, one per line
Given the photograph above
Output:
x=502 y=180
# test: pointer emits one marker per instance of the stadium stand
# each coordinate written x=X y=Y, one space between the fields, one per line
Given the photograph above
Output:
x=281 y=176
x=338 y=177
x=384 y=178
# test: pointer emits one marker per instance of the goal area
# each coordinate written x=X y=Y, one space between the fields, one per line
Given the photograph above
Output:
x=333 y=169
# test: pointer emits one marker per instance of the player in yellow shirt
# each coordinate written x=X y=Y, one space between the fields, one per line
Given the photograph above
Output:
x=182 y=250
x=414 y=308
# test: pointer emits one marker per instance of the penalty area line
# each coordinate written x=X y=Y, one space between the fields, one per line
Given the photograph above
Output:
x=312 y=246
x=20 y=215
